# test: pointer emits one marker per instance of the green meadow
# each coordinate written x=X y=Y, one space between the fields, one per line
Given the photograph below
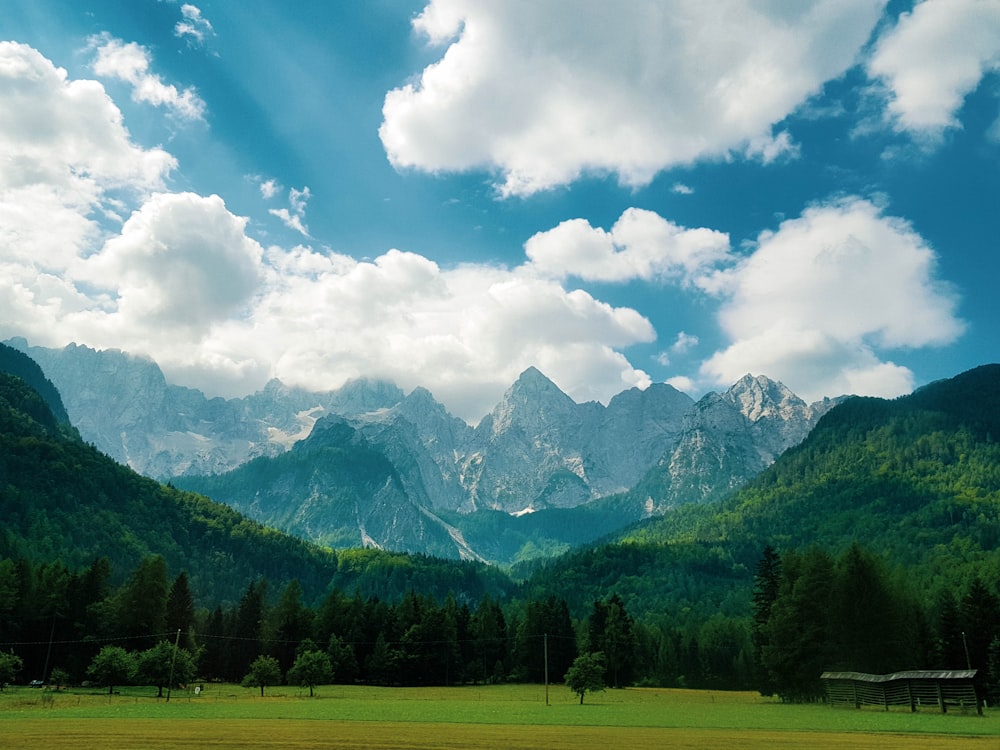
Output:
x=509 y=716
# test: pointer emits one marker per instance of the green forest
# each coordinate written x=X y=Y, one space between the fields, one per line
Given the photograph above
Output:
x=874 y=546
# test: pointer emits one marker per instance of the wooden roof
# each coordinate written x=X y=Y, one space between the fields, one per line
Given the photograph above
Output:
x=916 y=674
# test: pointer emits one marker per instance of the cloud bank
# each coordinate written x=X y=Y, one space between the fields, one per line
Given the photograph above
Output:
x=95 y=248
x=544 y=92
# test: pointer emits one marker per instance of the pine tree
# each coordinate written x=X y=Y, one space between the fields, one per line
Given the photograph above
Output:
x=766 y=585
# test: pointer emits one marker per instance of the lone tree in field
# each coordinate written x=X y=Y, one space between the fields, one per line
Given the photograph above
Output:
x=157 y=665
x=586 y=674
x=311 y=668
x=264 y=671
x=112 y=666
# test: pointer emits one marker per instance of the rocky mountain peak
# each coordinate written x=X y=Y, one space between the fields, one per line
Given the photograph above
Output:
x=759 y=397
x=532 y=400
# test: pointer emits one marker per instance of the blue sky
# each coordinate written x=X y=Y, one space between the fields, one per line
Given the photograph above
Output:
x=445 y=193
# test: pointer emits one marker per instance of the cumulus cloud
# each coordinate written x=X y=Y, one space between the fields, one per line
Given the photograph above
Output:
x=180 y=262
x=641 y=245
x=66 y=153
x=193 y=25
x=465 y=333
x=94 y=250
x=933 y=58
x=544 y=92
x=819 y=297
x=130 y=62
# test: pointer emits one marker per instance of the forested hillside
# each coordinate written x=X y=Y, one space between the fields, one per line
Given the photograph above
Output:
x=63 y=502
x=911 y=487
x=916 y=478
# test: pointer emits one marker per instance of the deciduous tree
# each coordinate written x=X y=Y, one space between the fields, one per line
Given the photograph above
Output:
x=311 y=668
x=586 y=674
x=264 y=671
x=112 y=666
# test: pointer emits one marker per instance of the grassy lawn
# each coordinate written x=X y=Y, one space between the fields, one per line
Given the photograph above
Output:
x=509 y=716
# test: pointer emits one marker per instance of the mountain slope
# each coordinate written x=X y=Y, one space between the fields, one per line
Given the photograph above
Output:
x=348 y=495
x=61 y=499
x=17 y=363
x=916 y=479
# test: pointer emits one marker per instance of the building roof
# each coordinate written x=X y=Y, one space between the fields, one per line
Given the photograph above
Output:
x=917 y=674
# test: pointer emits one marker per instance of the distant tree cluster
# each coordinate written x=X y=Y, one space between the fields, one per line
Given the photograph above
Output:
x=65 y=627
x=813 y=612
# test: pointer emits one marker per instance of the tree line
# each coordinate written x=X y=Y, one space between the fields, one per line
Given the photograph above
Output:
x=813 y=612
x=64 y=626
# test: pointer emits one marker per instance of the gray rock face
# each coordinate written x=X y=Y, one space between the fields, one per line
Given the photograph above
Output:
x=123 y=405
x=537 y=449
x=728 y=438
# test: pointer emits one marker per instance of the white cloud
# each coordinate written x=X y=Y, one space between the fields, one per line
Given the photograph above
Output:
x=181 y=263
x=933 y=58
x=130 y=63
x=821 y=295
x=193 y=25
x=681 y=189
x=293 y=216
x=177 y=277
x=464 y=333
x=268 y=188
x=684 y=342
x=66 y=160
x=544 y=92
x=641 y=245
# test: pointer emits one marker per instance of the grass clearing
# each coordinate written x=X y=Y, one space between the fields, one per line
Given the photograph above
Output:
x=510 y=716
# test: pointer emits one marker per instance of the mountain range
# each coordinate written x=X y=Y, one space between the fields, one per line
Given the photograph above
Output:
x=296 y=459
x=910 y=488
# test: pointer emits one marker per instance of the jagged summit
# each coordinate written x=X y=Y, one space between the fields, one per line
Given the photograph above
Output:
x=758 y=397
x=537 y=449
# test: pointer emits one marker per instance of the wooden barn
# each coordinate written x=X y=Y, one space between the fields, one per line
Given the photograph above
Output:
x=938 y=689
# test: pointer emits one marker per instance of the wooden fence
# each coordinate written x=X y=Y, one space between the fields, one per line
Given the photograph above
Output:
x=939 y=689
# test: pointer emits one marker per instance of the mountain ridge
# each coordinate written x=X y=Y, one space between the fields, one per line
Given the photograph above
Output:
x=536 y=451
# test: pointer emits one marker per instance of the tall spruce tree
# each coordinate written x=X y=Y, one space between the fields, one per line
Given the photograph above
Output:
x=766 y=585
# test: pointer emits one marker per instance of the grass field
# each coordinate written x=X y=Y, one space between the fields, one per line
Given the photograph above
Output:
x=510 y=716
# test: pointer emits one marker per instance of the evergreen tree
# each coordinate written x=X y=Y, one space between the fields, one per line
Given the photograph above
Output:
x=546 y=623
x=766 y=585
x=489 y=637
x=142 y=602
x=867 y=624
x=342 y=660
x=610 y=631
x=247 y=630
x=949 y=652
x=180 y=610
x=213 y=655
x=797 y=649
x=290 y=623
x=979 y=613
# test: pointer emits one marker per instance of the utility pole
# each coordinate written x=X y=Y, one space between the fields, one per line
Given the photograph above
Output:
x=546 y=642
x=173 y=660
x=968 y=662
